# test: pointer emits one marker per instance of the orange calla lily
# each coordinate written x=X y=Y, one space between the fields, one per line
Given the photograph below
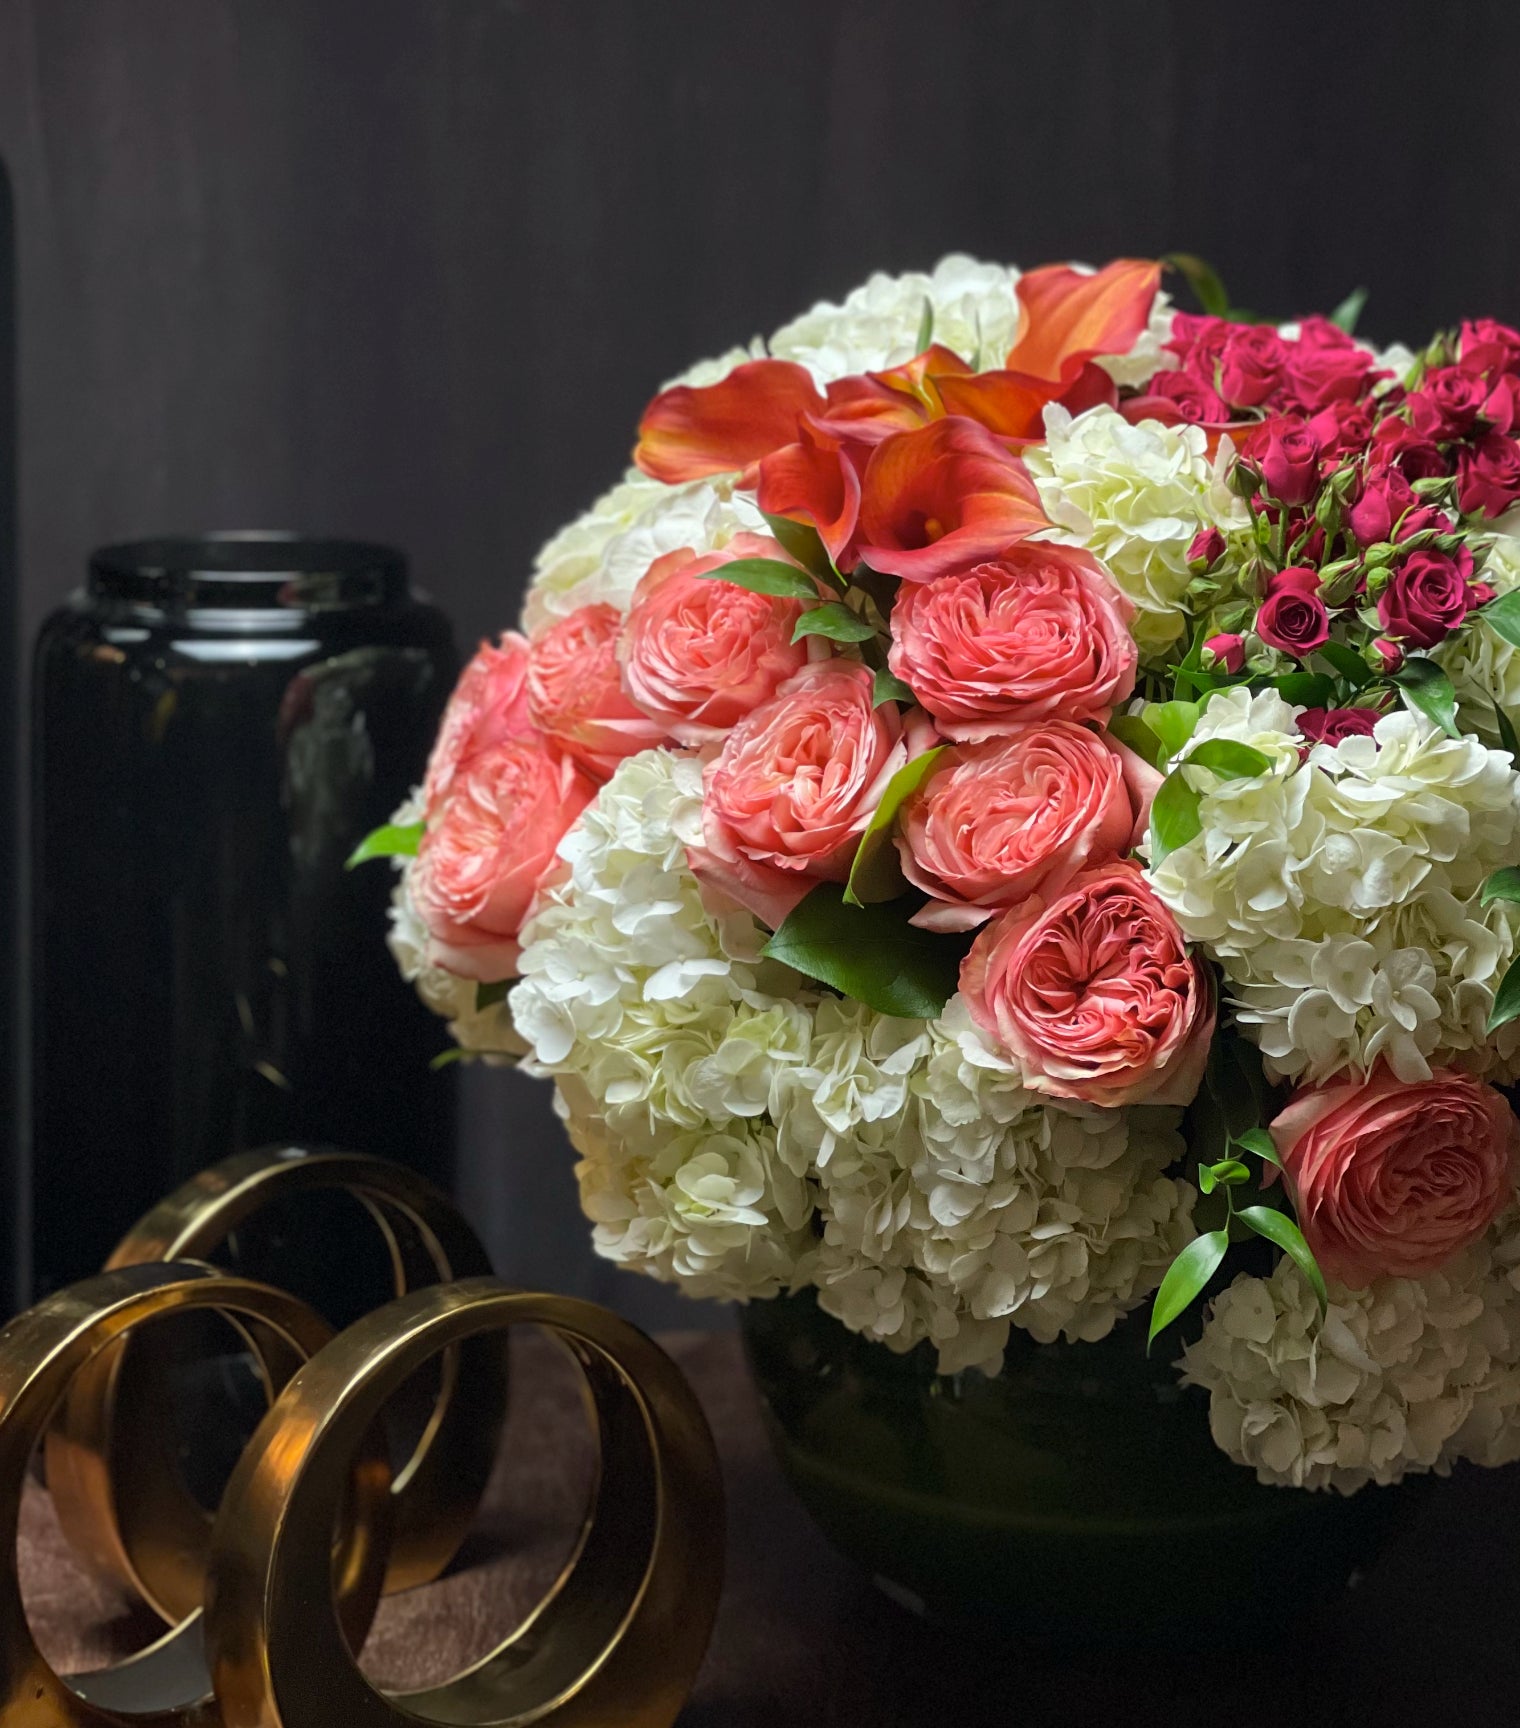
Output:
x=688 y=431
x=814 y=480
x=942 y=499
x=1066 y=318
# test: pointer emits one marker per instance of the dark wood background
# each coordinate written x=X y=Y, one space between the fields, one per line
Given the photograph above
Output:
x=409 y=268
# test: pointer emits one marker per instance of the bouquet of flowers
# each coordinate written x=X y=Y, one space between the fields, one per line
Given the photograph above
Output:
x=1009 y=815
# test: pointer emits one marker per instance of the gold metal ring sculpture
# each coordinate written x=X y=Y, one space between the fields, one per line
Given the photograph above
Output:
x=121 y=1501
x=41 y=1352
x=617 y=1640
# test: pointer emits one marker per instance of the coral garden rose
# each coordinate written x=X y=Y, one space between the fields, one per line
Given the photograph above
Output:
x=1041 y=632
x=1392 y=1178
x=698 y=653
x=489 y=851
x=489 y=704
x=1094 y=994
x=787 y=798
x=999 y=821
x=943 y=498
x=576 y=696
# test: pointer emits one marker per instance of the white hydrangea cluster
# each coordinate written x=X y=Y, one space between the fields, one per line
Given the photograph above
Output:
x=744 y=1134
x=1135 y=496
x=601 y=556
x=1340 y=893
x=1404 y=1376
x=1483 y=667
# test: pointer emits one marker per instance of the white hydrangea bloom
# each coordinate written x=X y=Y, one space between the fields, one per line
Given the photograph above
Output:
x=1483 y=667
x=600 y=557
x=975 y=315
x=714 y=371
x=1135 y=497
x=1407 y=1375
x=1340 y=894
x=1137 y=368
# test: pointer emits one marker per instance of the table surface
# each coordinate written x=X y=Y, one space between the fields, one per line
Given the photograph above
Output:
x=804 y=1641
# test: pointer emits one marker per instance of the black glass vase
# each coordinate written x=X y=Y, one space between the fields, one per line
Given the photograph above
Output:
x=216 y=724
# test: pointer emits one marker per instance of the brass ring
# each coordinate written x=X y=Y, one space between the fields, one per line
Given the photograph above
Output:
x=124 y=1507
x=618 y=1639
x=167 y=1685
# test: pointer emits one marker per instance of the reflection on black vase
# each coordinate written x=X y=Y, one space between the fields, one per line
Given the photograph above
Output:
x=217 y=724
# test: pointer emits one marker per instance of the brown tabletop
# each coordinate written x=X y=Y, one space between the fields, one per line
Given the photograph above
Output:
x=803 y=1641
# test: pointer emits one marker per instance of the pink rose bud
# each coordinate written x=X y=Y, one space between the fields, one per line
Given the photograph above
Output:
x=1207 y=548
x=1391 y=1177
x=1330 y=725
x=1226 y=650
x=1290 y=463
x=1385 y=656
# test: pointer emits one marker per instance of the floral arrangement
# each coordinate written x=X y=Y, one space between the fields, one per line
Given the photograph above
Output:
x=1009 y=814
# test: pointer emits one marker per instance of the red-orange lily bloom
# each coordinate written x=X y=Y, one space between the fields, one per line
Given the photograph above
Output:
x=1067 y=319
x=690 y=431
x=942 y=499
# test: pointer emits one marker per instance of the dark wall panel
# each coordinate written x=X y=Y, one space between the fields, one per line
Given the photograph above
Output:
x=409 y=268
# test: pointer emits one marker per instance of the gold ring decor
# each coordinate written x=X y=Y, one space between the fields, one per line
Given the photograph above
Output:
x=122 y=1502
x=617 y=1640
x=41 y=1352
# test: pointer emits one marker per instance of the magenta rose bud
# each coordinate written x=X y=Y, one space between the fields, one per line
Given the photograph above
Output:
x=1391 y=1177
x=1293 y=618
x=1427 y=597
x=1449 y=399
x=1289 y=462
x=1385 y=495
x=1330 y=725
x=1206 y=549
x=1325 y=366
x=1384 y=656
x=1250 y=365
x=1225 y=651
x=1488 y=476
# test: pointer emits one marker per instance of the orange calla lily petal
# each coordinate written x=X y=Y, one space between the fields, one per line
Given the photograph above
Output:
x=688 y=432
x=1008 y=403
x=1066 y=318
x=942 y=499
x=815 y=480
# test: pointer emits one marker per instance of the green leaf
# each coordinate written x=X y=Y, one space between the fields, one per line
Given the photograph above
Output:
x=888 y=687
x=1229 y=759
x=1506 y=999
x=868 y=881
x=1426 y=689
x=925 y=326
x=1185 y=1280
x=1506 y=730
x=447 y=1058
x=1204 y=280
x=1306 y=689
x=1259 y=1141
x=835 y=621
x=766 y=576
x=395 y=840
x=1227 y=1172
x=1130 y=729
x=871 y=953
x=489 y=995
x=1174 y=817
x=800 y=540
x=1502 y=885
x=1503 y=616
x=1278 y=1227
x=1172 y=722
x=1347 y=663
x=1345 y=315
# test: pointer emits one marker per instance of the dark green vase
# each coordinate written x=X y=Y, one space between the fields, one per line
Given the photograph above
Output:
x=1077 y=1497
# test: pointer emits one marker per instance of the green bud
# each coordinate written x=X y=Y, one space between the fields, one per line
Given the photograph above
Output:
x=1245 y=482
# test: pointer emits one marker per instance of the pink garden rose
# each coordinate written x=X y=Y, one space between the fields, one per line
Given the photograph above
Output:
x=485 y=856
x=787 y=798
x=998 y=821
x=489 y=704
x=1094 y=994
x=698 y=653
x=575 y=692
x=1042 y=633
x=1391 y=1178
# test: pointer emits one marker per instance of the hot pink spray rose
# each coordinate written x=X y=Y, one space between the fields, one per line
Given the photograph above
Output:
x=787 y=798
x=999 y=821
x=490 y=850
x=1391 y=1178
x=699 y=653
x=1041 y=633
x=489 y=704
x=575 y=692
x=1094 y=994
